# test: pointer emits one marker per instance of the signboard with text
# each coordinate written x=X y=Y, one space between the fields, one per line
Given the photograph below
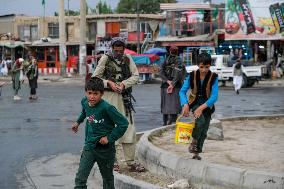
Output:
x=254 y=19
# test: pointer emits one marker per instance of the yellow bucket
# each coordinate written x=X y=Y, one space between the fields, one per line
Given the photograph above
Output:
x=184 y=130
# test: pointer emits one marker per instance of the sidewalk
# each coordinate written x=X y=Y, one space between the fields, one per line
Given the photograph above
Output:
x=49 y=78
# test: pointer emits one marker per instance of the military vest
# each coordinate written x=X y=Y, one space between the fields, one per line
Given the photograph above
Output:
x=117 y=71
x=172 y=62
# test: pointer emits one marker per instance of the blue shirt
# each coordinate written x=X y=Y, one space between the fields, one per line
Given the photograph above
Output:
x=186 y=85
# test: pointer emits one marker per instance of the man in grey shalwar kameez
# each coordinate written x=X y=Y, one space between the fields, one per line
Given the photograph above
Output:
x=172 y=74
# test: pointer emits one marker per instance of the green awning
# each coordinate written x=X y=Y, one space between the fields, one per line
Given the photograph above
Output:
x=12 y=44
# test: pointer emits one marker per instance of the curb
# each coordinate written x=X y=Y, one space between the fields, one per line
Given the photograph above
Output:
x=203 y=174
x=123 y=182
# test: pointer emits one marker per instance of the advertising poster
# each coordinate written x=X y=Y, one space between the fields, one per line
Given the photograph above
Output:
x=254 y=20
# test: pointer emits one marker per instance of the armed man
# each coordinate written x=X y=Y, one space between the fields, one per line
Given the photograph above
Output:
x=119 y=73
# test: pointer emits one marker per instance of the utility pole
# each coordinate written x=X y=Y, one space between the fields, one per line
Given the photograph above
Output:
x=82 y=55
x=138 y=26
x=62 y=38
x=68 y=7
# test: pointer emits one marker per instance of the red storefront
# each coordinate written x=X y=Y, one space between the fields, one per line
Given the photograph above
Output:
x=48 y=58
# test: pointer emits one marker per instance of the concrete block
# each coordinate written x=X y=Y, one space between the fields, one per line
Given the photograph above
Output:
x=223 y=176
x=215 y=133
x=152 y=158
x=190 y=169
x=168 y=163
x=263 y=180
x=141 y=151
x=216 y=123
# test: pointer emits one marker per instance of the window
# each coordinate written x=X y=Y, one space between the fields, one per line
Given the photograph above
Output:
x=123 y=26
x=74 y=50
x=53 y=30
x=92 y=31
x=28 y=33
x=70 y=31
x=34 y=33
x=144 y=27
x=40 y=54
x=51 y=57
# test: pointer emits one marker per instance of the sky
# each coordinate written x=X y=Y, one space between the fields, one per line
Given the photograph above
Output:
x=35 y=8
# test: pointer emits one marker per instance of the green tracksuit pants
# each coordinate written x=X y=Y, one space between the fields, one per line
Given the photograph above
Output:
x=104 y=156
x=199 y=132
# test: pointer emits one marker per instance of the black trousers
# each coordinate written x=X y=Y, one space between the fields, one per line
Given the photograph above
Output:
x=169 y=119
x=33 y=91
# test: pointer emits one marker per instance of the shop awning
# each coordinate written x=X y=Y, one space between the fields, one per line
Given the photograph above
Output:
x=11 y=44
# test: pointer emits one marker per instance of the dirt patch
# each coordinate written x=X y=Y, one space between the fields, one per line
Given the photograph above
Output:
x=143 y=176
x=249 y=144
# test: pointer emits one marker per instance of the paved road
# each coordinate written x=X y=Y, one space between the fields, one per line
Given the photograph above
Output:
x=29 y=130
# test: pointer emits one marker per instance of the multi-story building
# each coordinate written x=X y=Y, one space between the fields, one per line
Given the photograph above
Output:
x=192 y=27
x=21 y=36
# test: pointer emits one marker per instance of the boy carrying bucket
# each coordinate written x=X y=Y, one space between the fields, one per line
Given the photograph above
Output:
x=203 y=85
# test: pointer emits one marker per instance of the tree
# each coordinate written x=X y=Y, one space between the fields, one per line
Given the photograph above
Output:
x=102 y=8
x=146 y=6
x=71 y=13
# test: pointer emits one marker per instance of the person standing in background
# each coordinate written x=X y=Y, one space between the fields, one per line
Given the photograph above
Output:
x=172 y=74
x=17 y=77
x=32 y=74
x=237 y=76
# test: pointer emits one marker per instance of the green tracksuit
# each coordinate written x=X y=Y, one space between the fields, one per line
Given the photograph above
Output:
x=102 y=120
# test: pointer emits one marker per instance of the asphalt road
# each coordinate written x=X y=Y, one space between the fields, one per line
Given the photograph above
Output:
x=29 y=130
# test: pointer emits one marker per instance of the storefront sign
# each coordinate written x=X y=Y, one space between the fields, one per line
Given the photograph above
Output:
x=254 y=19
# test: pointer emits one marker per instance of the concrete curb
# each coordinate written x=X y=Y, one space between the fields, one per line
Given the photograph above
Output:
x=58 y=171
x=123 y=182
x=203 y=174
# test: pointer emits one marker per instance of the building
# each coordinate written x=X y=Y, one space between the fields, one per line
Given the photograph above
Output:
x=21 y=36
x=192 y=27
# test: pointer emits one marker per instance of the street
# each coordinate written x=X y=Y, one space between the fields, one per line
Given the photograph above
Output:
x=30 y=130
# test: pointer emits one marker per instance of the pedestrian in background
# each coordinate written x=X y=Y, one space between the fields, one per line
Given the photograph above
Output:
x=172 y=74
x=32 y=75
x=4 y=69
x=17 y=77
x=202 y=97
x=237 y=76
x=89 y=69
x=104 y=125
x=279 y=66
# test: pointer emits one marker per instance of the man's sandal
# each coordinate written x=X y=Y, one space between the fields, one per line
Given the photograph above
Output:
x=116 y=167
x=136 y=167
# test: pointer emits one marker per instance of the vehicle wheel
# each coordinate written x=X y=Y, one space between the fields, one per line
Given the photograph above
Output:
x=245 y=81
x=250 y=83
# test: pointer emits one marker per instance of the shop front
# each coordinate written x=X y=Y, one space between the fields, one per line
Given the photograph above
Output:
x=48 y=58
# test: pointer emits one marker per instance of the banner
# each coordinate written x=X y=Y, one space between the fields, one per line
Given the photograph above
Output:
x=254 y=20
